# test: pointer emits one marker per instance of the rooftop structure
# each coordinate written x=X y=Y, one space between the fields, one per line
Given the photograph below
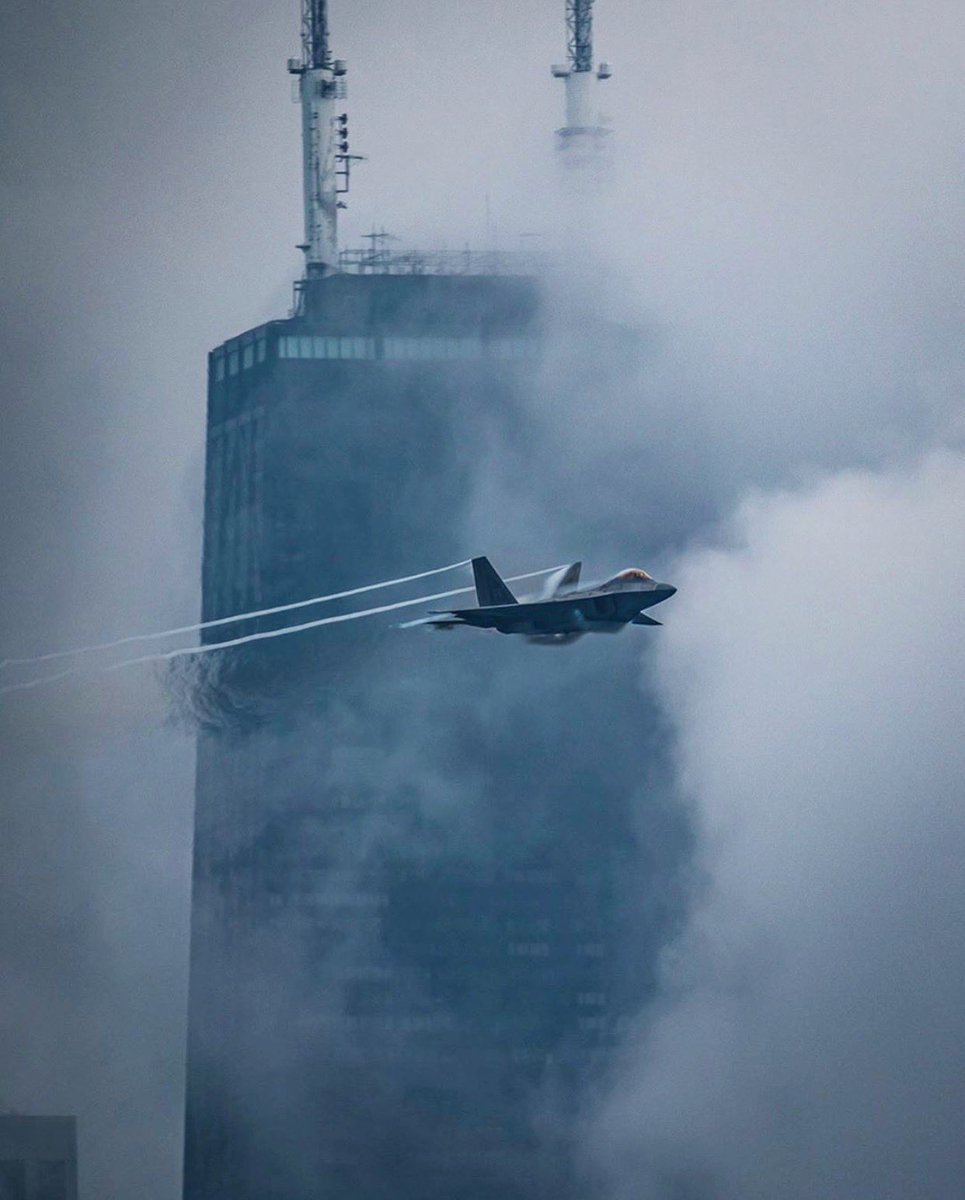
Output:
x=326 y=161
x=583 y=137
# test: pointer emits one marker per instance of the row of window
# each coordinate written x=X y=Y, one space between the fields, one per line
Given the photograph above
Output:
x=542 y=949
x=528 y=949
x=402 y=349
x=240 y=358
x=326 y=347
x=392 y=349
x=49 y=1180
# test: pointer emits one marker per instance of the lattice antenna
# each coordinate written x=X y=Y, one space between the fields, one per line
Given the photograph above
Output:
x=582 y=139
x=325 y=153
x=579 y=34
x=315 y=47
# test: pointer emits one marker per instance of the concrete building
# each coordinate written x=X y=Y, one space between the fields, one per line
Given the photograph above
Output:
x=38 y=1157
x=368 y=1004
x=402 y=967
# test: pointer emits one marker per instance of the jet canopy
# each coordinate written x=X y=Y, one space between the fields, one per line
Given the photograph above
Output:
x=632 y=575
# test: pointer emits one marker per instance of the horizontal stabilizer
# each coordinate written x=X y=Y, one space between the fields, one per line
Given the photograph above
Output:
x=436 y=620
x=490 y=589
x=643 y=619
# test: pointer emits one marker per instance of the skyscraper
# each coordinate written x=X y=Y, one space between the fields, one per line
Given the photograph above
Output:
x=38 y=1157
x=404 y=911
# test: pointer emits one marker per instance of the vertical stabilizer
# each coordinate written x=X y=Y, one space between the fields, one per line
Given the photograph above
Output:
x=490 y=589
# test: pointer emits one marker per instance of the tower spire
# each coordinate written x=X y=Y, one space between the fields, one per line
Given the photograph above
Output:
x=325 y=157
x=582 y=138
x=579 y=31
x=315 y=48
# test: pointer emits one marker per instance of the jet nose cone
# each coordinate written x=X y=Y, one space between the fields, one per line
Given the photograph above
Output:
x=666 y=590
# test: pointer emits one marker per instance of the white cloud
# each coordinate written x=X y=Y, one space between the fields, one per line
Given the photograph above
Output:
x=809 y=1042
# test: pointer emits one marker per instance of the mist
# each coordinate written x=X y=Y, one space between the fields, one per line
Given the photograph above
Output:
x=808 y=1040
x=777 y=272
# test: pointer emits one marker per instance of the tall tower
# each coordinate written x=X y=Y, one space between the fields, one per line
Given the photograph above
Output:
x=582 y=140
x=403 y=929
x=325 y=158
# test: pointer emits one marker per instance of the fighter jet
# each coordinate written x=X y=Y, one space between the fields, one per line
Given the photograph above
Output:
x=564 y=612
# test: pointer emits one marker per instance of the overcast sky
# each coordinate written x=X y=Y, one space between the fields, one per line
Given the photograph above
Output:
x=784 y=228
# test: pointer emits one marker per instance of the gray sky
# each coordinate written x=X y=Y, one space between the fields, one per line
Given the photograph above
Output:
x=783 y=228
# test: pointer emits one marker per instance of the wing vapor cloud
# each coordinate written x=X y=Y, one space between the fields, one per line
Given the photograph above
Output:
x=264 y=635
x=133 y=639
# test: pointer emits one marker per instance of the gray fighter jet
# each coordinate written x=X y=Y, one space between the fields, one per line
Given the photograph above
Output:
x=564 y=612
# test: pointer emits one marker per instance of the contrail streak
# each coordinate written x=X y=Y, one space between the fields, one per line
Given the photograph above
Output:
x=186 y=651
x=167 y=655
x=32 y=683
x=247 y=616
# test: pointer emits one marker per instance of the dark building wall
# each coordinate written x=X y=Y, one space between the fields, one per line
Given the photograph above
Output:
x=403 y=921
x=38 y=1158
x=316 y=423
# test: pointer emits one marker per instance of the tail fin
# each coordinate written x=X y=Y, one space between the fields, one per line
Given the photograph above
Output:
x=490 y=589
x=564 y=577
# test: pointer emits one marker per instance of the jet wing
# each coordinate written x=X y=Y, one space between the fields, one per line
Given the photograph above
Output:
x=556 y=615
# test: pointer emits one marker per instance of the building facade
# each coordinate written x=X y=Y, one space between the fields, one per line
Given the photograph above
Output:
x=38 y=1157
x=401 y=941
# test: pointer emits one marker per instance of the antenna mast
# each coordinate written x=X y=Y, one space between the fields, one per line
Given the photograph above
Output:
x=326 y=162
x=582 y=138
x=315 y=50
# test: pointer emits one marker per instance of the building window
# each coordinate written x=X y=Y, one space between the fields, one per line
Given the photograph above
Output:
x=260 y=350
x=356 y=347
x=233 y=363
x=51 y=1180
x=247 y=357
x=431 y=348
x=219 y=367
x=528 y=949
x=13 y=1179
x=590 y=949
x=326 y=347
x=592 y=1023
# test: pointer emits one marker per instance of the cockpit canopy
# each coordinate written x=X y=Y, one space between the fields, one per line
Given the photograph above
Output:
x=632 y=575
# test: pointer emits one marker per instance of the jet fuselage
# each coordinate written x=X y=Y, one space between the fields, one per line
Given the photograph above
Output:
x=566 y=613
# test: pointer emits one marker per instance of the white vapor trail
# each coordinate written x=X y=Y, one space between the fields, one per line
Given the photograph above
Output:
x=247 y=616
x=167 y=655
x=186 y=651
